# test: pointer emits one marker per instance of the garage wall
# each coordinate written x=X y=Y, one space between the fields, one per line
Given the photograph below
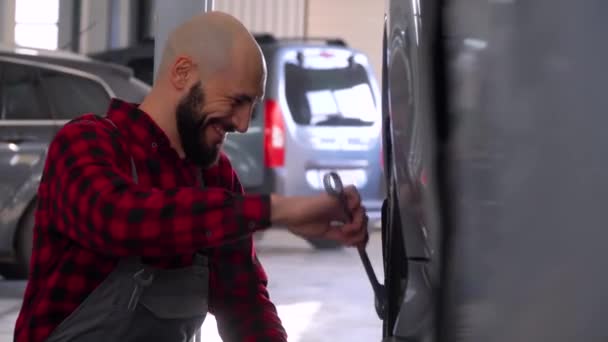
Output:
x=7 y=21
x=65 y=26
x=123 y=25
x=94 y=25
x=283 y=18
x=359 y=22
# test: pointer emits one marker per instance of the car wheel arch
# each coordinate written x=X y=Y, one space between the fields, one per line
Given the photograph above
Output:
x=27 y=214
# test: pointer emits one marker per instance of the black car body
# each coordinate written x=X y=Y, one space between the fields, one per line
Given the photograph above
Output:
x=493 y=126
x=411 y=218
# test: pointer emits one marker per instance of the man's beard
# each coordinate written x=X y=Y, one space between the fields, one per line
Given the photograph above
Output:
x=190 y=126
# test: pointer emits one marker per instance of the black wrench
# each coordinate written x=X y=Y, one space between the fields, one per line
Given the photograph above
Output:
x=334 y=187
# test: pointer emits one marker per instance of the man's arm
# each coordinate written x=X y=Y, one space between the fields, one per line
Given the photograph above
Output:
x=239 y=297
x=98 y=205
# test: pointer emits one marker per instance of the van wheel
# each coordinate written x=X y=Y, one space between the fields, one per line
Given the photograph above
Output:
x=321 y=244
x=11 y=272
x=25 y=240
x=395 y=261
x=24 y=237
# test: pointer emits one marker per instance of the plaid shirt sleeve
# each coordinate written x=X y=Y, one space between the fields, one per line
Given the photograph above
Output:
x=103 y=209
x=239 y=297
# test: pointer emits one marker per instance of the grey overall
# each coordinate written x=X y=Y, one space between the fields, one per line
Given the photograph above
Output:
x=137 y=302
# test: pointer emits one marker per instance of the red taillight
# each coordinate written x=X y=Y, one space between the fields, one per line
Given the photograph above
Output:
x=274 y=135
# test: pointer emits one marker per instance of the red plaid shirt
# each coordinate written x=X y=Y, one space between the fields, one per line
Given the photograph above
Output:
x=90 y=214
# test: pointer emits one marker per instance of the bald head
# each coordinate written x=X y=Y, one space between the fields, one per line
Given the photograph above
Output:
x=214 y=41
x=211 y=76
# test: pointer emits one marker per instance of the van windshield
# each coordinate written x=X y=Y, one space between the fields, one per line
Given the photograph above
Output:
x=337 y=96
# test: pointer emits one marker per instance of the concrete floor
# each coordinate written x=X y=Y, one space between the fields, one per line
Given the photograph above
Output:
x=321 y=296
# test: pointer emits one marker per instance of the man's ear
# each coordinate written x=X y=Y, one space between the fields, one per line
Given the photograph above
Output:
x=182 y=72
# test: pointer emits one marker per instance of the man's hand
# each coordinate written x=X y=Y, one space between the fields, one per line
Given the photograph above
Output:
x=324 y=217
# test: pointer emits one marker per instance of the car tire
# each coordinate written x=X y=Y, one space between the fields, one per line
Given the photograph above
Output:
x=24 y=237
x=321 y=244
x=395 y=262
x=11 y=272
x=393 y=249
x=25 y=240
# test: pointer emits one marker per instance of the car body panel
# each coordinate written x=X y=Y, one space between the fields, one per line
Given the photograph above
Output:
x=20 y=165
x=527 y=248
x=521 y=179
x=245 y=151
x=13 y=210
x=409 y=134
x=405 y=112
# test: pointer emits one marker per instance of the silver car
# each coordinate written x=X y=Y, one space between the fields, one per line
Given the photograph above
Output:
x=39 y=93
x=321 y=113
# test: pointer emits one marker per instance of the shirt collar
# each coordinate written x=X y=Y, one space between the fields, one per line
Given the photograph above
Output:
x=137 y=124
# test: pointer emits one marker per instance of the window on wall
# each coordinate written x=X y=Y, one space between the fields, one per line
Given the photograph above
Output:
x=36 y=23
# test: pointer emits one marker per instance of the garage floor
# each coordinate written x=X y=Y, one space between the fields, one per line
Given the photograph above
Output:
x=321 y=296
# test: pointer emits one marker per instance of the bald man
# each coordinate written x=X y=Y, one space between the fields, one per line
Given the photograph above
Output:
x=142 y=226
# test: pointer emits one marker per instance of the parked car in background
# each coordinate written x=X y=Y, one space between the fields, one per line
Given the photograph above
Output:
x=321 y=113
x=39 y=92
x=121 y=79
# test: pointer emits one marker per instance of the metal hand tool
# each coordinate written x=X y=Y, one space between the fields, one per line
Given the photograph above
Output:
x=334 y=187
